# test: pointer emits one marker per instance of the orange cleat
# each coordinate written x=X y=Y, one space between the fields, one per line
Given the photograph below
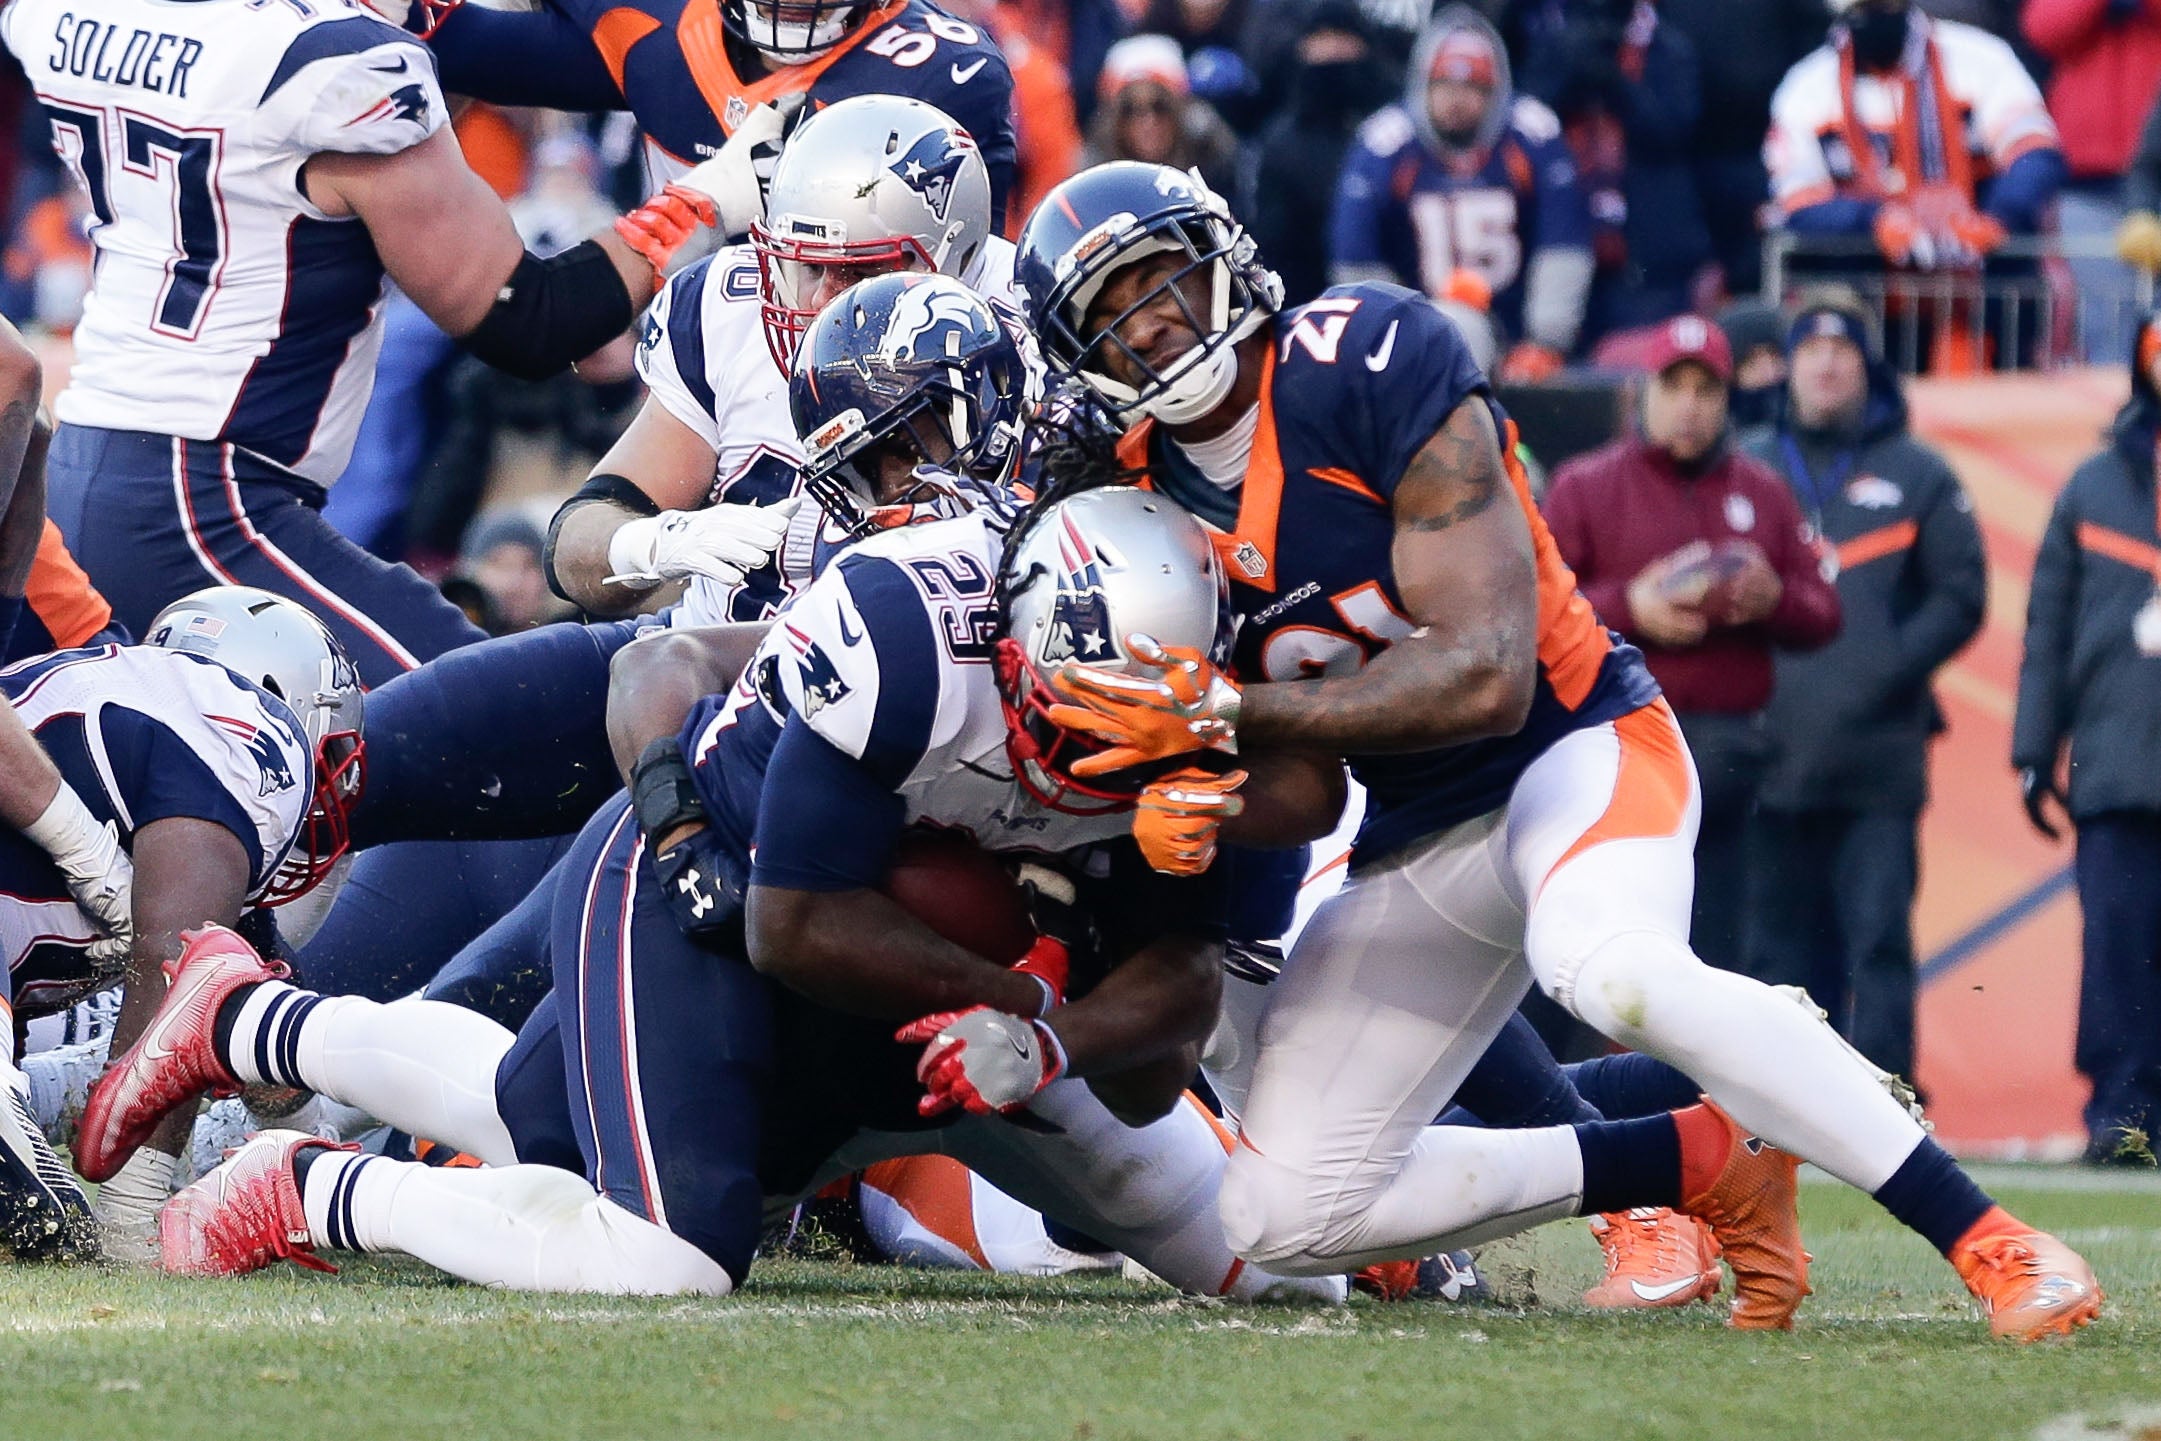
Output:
x=1654 y=1258
x=2029 y=1283
x=1748 y=1192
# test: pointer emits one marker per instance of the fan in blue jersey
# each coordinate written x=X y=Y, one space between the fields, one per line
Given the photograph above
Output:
x=1466 y=175
x=254 y=173
x=218 y=761
x=692 y=73
x=1532 y=808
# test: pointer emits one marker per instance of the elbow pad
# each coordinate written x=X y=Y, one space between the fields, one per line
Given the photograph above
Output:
x=552 y=312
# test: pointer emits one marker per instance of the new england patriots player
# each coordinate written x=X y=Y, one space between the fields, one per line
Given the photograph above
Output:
x=218 y=760
x=706 y=1076
x=254 y=171
x=507 y=738
x=868 y=185
x=1532 y=806
x=693 y=72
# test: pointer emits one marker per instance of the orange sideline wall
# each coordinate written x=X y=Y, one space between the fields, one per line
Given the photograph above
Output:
x=1997 y=923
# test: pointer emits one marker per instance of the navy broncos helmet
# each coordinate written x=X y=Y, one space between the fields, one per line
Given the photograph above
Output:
x=1112 y=216
x=913 y=365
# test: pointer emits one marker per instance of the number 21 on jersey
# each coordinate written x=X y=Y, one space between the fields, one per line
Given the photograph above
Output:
x=1371 y=624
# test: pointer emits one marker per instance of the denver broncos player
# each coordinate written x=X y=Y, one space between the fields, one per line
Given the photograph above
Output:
x=1531 y=804
x=223 y=755
x=758 y=1058
x=692 y=71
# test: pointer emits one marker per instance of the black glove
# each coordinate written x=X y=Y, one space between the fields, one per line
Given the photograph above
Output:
x=702 y=884
x=1055 y=910
x=2036 y=787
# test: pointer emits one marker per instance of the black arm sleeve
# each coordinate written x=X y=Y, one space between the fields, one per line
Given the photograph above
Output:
x=552 y=312
x=613 y=488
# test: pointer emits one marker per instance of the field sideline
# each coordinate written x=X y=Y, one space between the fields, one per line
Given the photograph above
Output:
x=1887 y=1348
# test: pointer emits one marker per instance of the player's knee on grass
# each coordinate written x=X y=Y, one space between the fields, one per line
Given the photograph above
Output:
x=1271 y=1217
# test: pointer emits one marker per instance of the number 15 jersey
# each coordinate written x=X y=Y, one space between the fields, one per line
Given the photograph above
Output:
x=224 y=305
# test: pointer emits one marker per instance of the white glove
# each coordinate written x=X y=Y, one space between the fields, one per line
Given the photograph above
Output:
x=722 y=543
x=99 y=874
x=732 y=180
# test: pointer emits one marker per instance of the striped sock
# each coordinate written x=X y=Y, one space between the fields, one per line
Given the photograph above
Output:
x=346 y=1195
x=258 y=1033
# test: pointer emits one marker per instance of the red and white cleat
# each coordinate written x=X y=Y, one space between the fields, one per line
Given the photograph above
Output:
x=173 y=1061
x=244 y=1215
x=1654 y=1257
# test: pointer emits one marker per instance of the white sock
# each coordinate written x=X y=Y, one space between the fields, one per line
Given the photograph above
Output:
x=527 y=1228
x=1778 y=1070
x=426 y=1067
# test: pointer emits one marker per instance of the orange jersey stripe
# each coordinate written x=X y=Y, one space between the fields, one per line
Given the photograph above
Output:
x=2117 y=546
x=615 y=32
x=1876 y=544
x=1650 y=787
x=703 y=40
x=62 y=597
x=938 y=1192
x=1572 y=645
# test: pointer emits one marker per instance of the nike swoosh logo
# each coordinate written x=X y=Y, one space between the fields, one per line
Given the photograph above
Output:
x=1378 y=360
x=1671 y=1288
x=962 y=74
x=846 y=637
x=1019 y=1049
x=397 y=69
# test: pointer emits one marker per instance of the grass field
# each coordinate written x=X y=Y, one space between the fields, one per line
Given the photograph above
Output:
x=1888 y=1347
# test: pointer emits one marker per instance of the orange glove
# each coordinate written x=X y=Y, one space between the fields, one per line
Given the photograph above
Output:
x=1528 y=362
x=1185 y=705
x=1896 y=231
x=658 y=228
x=1979 y=234
x=1176 y=820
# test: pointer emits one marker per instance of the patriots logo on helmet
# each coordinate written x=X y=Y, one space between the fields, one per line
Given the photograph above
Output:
x=1080 y=617
x=931 y=166
x=929 y=322
x=822 y=685
x=277 y=771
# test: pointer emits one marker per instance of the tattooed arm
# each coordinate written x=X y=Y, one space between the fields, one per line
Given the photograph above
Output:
x=1466 y=571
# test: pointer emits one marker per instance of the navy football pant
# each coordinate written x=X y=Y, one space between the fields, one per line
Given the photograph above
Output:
x=667 y=1049
x=152 y=518
x=502 y=740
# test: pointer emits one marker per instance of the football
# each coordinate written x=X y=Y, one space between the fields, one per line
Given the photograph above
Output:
x=962 y=892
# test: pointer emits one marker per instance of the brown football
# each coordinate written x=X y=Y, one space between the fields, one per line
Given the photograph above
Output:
x=962 y=892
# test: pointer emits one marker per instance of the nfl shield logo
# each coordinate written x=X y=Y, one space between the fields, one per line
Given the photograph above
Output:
x=1249 y=560
x=738 y=108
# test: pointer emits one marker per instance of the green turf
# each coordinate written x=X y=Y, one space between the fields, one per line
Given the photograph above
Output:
x=1886 y=1348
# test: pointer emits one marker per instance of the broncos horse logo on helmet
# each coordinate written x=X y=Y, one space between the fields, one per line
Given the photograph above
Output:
x=903 y=372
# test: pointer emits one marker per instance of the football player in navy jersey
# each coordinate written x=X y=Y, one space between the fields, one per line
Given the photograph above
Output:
x=1531 y=809
x=212 y=769
x=683 y=1075
x=691 y=71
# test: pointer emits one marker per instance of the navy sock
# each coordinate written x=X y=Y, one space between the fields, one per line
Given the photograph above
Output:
x=1630 y=1163
x=1630 y=1084
x=228 y=1016
x=1517 y=1083
x=274 y=1050
x=1933 y=1196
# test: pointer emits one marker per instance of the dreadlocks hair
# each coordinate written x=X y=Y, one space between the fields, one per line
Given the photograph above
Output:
x=1073 y=447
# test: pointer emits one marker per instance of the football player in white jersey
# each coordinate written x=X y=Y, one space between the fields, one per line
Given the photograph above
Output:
x=871 y=704
x=867 y=185
x=210 y=771
x=254 y=170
